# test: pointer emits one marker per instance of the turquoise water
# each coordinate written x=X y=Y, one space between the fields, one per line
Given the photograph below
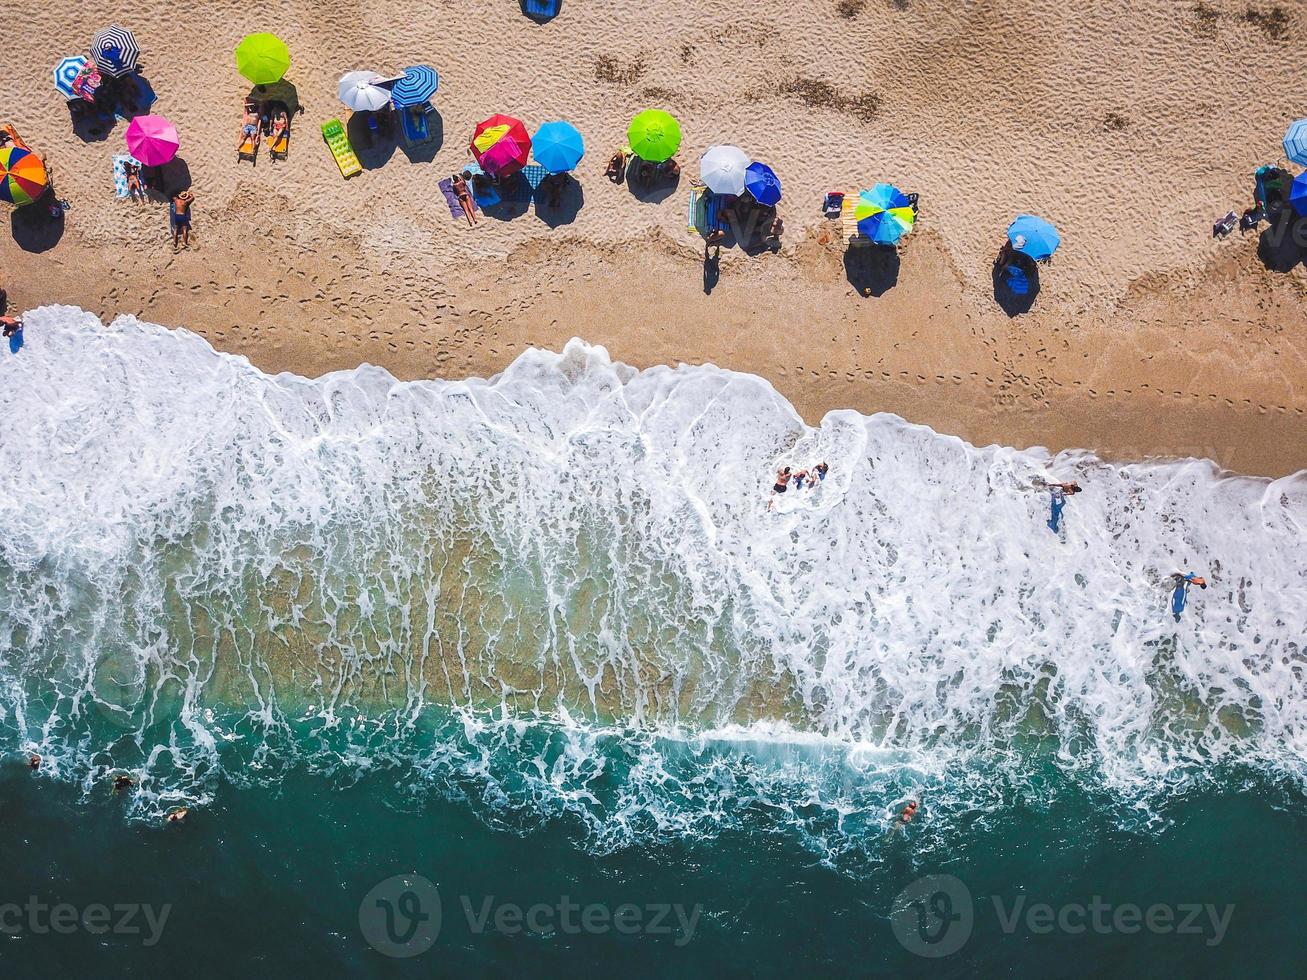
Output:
x=544 y=646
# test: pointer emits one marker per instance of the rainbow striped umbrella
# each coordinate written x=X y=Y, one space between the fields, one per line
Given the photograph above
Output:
x=501 y=145
x=884 y=214
x=152 y=140
x=22 y=176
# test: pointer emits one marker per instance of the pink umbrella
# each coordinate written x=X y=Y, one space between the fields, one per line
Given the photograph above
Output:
x=152 y=140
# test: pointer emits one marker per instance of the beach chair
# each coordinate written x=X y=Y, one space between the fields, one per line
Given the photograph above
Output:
x=279 y=143
x=334 y=133
x=413 y=123
x=249 y=149
x=541 y=9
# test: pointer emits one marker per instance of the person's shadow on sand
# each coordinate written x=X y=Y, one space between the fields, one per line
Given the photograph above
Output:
x=1284 y=243
x=35 y=228
x=1015 y=292
x=712 y=267
x=657 y=187
x=873 y=270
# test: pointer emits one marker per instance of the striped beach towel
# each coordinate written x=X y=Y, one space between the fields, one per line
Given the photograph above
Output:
x=120 y=161
x=849 y=220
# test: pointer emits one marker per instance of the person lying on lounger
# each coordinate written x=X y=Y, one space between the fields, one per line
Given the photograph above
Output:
x=249 y=129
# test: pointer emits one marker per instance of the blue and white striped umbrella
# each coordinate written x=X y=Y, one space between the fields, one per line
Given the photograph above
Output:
x=1295 y=142
x=115 y=51
x=66 y=72
x=417 y=86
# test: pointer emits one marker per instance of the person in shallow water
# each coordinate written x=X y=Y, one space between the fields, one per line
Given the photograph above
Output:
x=176 y=814
x=1059 y=491
x=34 y=761
x=783 y=477
x=122 y=781
x=1180 y=595
x=905 y=816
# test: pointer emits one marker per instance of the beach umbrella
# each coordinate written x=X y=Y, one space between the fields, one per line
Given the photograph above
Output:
x=654 y=135
x=501 y=145
x=722 y=169
x=558 y=147
x=1298 y=194
x=1033 y=237
x=22 y=175
x=762 y=183
x=1295 y=142
x=418 y=85
x=262 y=58
x=66 y=73
x=359 y=90
x=884 y=214
x=115 y=51
x=152 y=140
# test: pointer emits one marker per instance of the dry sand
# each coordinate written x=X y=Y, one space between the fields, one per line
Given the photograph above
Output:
x=1131 y=126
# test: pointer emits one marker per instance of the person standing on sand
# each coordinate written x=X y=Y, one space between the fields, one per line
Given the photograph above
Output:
x=181 y=218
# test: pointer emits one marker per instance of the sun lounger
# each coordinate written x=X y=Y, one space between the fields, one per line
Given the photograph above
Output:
x=414 y=125
x=541 y=9
x=334 y=133
x=249 y=149
x=279 y=144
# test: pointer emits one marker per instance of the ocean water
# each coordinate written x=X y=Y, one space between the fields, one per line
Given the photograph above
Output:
x=541 y=636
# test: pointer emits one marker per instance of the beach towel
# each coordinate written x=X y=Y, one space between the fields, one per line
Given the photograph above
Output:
x=541 y=9
x=120 y=161
x=534 y=175
x=455 y=205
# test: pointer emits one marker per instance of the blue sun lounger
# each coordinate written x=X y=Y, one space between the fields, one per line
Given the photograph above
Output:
x=413 y=123
x=541 y=9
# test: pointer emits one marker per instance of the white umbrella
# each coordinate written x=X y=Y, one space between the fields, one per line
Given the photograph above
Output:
x=722 y=169
x=361 y=92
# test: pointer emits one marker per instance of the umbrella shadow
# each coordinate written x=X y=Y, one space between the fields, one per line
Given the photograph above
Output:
x=34 y=227
x=167 y=179
x=651 y=189
x=282 y=91
x=426 y=151
x=1011 y=302
x=91 y=124
x=1284 y=243
x=514 y=199
x=128 y=96
x=374 y=150
x=570 y=201
x=873 y=270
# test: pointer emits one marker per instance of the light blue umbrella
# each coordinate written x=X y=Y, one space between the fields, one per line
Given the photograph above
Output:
x=1033 y=237
x=884 y=214
x=1295 y=142
x=763 y=184
x=66 y=73
x=417 y=86
x=558 y=146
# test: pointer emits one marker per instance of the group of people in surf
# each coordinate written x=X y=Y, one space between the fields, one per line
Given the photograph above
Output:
x=786 y=476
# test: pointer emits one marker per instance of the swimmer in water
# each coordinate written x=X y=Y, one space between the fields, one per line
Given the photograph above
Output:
x=819 y=472
x=905 y=816
x=122 y=781
x=177 y=814
x=1059 y=491
x=34 y=761
x=1180 y=594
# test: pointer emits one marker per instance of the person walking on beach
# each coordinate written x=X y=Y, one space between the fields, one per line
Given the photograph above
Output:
x=181 y=218
x=1180 y=594
x=1059 y=493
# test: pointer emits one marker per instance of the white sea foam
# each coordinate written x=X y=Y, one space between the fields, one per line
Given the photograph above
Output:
x=195 y=555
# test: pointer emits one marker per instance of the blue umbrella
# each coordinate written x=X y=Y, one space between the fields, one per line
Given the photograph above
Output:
x=1298 y=194
x=1033 y=237
x=1295 y=142
x=762 y=183
x=66 y=72
x=417 y=86
x=558 y=146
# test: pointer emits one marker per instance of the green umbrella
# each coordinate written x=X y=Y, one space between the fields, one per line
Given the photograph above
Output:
x=654 y=135
x=262 y=58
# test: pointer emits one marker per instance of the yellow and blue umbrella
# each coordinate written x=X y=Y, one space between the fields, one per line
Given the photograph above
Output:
x=1295 y=142
x=418 y=85
x=884 y=214
x=23 y=177
x=558 y=147
x=1033 y=237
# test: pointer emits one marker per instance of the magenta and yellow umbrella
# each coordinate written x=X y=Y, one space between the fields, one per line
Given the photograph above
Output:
x=501 y=145
x=23 y=177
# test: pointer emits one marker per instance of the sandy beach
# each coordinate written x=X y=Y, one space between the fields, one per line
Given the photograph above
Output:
x=1131 y=128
